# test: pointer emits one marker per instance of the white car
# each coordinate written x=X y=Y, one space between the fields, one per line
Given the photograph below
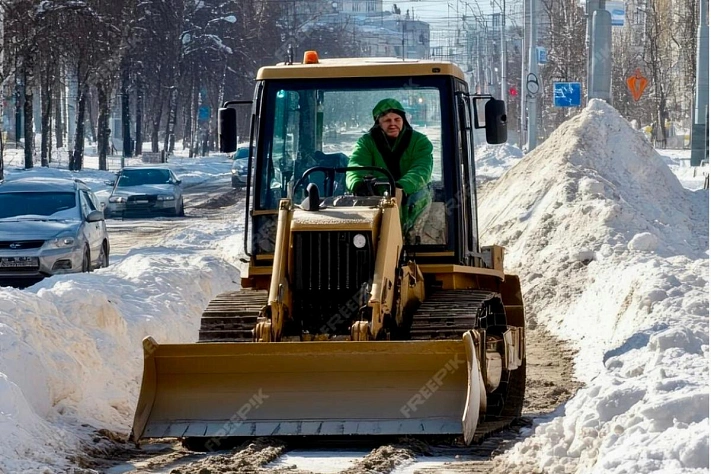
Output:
x=49 y=226
x=145 y=190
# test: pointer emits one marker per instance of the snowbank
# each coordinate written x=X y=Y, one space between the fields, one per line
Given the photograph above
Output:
x=613 y=256
x=493 y=160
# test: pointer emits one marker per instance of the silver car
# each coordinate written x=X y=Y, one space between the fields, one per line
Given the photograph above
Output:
x=49 y=226
x=145 y=190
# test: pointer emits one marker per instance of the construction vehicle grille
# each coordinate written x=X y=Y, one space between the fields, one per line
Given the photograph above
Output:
x=329 y=273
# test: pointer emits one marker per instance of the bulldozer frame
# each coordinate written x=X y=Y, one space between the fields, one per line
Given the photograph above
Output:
x=341 y=327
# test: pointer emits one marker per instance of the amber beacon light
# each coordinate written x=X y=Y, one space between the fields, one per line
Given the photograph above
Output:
x=310 y=57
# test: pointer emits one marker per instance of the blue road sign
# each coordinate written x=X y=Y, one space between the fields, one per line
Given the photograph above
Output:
x=567 y=94
x=203 y=113
x=542 y=54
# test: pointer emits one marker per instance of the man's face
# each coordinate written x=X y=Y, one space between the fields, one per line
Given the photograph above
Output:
x=391 y=123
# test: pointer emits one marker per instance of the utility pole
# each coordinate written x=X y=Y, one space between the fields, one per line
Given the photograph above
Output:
x=522 y=92
x=504 y=85
x=699 y=130
x=599 y=42
x=532 y=81
x=403 y=39
x=590 y=7
x=601 y=54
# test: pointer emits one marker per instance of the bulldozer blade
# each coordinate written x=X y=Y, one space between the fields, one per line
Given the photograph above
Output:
x=307 y=388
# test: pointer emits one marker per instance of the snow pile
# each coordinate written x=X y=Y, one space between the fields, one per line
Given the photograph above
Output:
x=493 y=160
x=613 y=255
x=70 y=347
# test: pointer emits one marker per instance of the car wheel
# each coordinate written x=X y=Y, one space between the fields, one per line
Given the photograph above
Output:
x=181 y=211
x=86 y=261
x=103 y=257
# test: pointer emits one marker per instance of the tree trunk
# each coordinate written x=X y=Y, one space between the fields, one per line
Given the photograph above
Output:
x=58 y=120
x=156 y=119
x=154 y=133
x=77 y=159
x=102 y=126
x=139 y=114
x=2 y=158
x=126 y=110
x=29 y=128
x=170 y=126
x=194 y=134
x=90 y=107
x=46 y=96
x=187 y=131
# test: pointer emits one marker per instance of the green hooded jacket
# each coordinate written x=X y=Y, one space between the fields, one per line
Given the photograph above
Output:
x=415 y=162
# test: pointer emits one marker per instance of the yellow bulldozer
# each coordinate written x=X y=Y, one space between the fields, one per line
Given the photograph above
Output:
x=342 y=326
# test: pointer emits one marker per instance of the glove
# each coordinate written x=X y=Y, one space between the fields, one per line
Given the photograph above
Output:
x=360 y=189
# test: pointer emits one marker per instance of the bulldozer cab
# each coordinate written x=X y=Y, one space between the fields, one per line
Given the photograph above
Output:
x=312 y=115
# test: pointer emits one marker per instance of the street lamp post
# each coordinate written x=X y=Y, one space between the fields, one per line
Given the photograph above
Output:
x=532 y=83
x=503 y=86
x=404 y=55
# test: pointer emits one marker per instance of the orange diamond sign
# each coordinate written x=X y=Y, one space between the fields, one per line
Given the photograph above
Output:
x=636 y=84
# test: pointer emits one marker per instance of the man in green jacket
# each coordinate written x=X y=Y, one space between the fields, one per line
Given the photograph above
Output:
x=392 y=144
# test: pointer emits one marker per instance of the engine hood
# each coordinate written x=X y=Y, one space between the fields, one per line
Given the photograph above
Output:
x=34 y=229
x=151 y=189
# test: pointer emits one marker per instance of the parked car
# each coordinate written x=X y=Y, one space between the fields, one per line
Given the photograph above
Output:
x=50 y=226
x=145 y=190
x=240 y=160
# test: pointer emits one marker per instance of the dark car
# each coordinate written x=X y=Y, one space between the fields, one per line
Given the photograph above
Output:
x=50 y=226
x=146 y=190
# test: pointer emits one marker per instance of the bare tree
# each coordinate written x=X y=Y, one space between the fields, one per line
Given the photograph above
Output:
x=658 y=60
x=564 y=39
x=21 y=27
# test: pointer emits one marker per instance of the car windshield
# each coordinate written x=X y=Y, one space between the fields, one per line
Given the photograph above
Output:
x=52 y=204
x=310 y=123
x=141 y=177
x=242 y=152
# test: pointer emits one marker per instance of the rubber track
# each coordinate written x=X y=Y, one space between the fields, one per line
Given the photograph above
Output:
x=231 y=316
x=446 y=314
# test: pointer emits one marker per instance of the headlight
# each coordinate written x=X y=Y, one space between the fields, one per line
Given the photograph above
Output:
x=166 y=197
x=234 y=170
x=60 y=242
x=117 y=199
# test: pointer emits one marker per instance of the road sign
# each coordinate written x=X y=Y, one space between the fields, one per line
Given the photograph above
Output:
x=203 y=113
x=532 y=85
x=636 y=84
x=541 y=54
x=567 y=94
